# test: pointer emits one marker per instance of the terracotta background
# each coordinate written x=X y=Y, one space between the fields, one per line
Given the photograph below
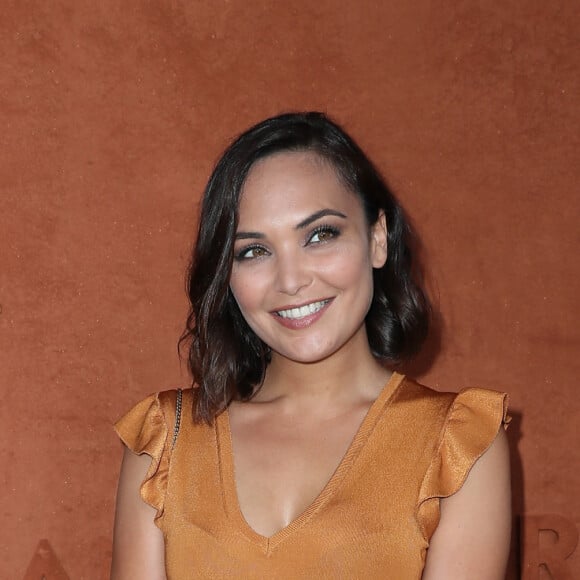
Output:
x=112 y=114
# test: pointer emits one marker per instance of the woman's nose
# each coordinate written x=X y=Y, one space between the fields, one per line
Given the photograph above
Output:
x=293 y=273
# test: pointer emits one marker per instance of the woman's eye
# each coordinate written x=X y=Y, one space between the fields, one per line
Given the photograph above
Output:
x=251 y=253
x=323 y=234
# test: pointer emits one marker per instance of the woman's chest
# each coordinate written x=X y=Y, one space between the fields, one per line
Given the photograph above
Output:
x=280 y=468
x=368 y=496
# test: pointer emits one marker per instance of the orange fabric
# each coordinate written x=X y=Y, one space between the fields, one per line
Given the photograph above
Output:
x=373 y=519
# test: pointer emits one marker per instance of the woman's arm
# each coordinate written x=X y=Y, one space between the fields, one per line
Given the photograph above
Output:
x=472 y=539
x=138 y=548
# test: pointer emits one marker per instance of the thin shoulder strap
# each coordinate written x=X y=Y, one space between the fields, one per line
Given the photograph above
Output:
x=177 y=424
x=171 y=403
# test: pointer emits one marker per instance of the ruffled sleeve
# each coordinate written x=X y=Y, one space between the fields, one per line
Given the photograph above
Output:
x=472 y=423
x=144 y=430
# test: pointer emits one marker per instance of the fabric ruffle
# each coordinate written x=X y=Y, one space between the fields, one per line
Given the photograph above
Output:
x=144 y=430
x=472 y=424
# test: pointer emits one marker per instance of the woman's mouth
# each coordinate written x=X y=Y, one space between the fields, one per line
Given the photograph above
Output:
x=302 y=316
x=302 y=311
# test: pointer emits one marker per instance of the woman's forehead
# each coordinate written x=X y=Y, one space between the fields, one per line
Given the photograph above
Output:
x=283 y=163
x=293 y=179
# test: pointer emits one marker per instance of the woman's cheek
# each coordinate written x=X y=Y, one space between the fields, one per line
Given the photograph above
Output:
x=248 y=282
x=346 y=263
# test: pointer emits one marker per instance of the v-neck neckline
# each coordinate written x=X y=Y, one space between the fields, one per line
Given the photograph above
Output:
x=228 y=480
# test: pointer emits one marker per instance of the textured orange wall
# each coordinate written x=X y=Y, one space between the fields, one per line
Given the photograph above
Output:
x=112 y=114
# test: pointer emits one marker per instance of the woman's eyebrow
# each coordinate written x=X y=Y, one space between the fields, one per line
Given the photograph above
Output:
x=317 y=215
x=304 y=223
x=249 y=236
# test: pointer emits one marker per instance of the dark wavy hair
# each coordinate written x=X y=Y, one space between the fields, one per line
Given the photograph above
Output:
x=226 y=358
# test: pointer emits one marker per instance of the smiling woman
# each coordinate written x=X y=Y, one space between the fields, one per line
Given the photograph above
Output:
x=304 y=283
x=300 y=452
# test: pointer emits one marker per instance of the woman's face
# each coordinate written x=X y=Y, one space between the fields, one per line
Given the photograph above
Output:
x=303 y=258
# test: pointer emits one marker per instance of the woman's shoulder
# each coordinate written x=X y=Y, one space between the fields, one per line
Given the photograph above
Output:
x=464 y=425
x=152 y=427
x=469 y=403
x=148 y=423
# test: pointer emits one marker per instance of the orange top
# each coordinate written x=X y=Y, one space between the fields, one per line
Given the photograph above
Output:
x=374 y=517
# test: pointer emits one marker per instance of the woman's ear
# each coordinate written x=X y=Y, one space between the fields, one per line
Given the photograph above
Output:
x=379 y=241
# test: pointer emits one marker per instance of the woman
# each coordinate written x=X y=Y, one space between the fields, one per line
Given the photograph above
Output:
x=299 y=454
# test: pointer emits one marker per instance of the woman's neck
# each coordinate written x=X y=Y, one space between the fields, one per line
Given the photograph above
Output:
x=349 y=374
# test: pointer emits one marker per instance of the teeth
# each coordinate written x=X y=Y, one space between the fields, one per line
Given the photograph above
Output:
x=303 y=310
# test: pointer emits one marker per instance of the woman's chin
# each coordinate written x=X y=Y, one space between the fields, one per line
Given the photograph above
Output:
x=306 y=354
